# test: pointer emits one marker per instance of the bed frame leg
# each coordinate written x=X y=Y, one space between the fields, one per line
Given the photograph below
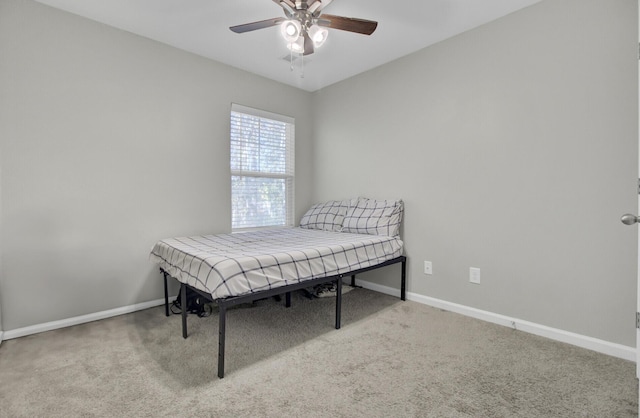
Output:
x=403 y=282
x=287 y=298
x=183 y=308
x=222 y=316
x=338 y=301
x=353 y=280
x=166 y=294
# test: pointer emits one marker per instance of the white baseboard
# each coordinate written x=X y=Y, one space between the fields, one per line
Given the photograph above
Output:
x=48 y=326
x=600 y=346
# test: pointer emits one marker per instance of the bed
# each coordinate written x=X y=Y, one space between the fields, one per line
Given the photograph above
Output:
x=335 y=239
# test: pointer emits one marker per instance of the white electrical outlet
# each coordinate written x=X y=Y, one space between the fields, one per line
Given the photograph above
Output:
x=428 y=267
x=474 y=275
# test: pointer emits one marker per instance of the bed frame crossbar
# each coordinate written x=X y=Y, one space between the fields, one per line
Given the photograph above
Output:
x=224 y=304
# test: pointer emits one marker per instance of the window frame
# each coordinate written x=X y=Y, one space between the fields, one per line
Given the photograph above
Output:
x=288 y=176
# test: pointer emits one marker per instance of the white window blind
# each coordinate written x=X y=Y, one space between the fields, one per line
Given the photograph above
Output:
x=262 y=168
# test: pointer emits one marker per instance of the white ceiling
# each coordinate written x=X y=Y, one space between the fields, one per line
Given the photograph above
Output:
x=202 y=27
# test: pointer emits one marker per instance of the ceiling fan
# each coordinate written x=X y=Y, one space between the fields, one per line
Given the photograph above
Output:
x=304 y=26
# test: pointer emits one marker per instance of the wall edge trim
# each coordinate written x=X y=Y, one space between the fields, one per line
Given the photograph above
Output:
x=77 y=320
x=601 y=346
x=583 y=341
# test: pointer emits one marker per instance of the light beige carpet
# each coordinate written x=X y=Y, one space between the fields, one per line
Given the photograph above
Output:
x=390 y=359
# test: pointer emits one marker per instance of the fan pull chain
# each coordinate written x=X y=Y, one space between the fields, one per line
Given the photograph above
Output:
x=291 y=56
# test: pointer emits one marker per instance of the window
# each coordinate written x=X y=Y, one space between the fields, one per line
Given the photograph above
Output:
x=262 y=168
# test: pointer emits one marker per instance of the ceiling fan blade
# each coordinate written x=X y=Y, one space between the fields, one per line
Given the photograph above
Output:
x=248 y=27
x=365 y=27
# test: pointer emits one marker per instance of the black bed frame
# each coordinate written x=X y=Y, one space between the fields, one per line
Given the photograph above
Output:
x=224 y=304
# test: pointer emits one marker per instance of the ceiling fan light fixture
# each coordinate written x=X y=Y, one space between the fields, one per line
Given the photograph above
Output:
x=318 y=35
x=297 y=46
x=291 y=30
x=305 y=27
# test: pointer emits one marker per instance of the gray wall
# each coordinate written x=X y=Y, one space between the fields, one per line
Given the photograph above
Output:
x=109 y=142
x=515 y=148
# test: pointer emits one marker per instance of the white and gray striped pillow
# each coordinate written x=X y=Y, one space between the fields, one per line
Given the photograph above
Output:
x=326 y=216
x=374 y=217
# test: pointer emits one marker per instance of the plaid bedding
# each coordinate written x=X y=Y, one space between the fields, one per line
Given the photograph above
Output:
x=230 y=265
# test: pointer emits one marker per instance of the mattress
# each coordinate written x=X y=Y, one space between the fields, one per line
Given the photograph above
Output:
x=228 y=265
